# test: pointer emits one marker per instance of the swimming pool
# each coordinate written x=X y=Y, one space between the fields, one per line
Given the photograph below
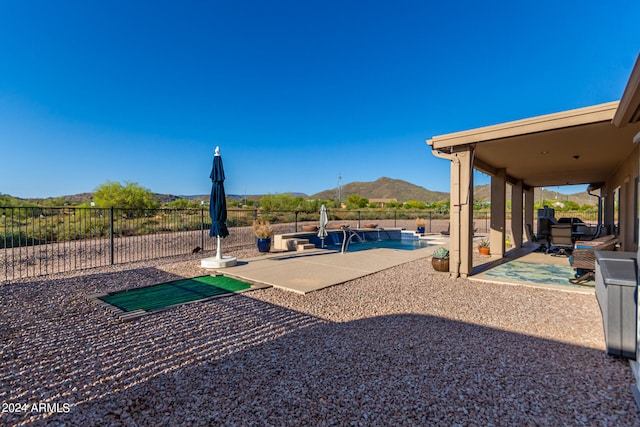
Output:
x=363 y=239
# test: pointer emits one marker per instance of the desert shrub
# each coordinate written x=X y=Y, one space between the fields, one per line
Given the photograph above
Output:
x=129 y=196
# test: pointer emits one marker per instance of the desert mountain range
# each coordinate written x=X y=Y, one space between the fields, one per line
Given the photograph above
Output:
x=382 y=188
x=402 y=191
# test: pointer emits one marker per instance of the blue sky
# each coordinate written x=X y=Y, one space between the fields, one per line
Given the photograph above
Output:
x=294 y=93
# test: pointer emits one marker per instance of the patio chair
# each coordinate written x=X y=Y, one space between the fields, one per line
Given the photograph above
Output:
x=535 y=238
x=530 y=235
x=583 y=258
x=544 y=228
x=593 y=233
x=561 y=239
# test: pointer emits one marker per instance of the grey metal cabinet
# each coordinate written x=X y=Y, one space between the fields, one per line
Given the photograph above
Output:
x=617 y=294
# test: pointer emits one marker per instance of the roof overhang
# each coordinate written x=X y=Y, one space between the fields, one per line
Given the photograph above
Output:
x=629 y=110
x=571 y=147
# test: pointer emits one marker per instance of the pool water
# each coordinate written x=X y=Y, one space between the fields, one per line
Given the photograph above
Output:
x=394 y=238
x=401 y=244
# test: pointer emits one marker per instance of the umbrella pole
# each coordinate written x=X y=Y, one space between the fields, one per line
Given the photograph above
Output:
x=218 y=249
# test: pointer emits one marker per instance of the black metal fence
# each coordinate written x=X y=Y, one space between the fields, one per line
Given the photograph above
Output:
x=37 y=241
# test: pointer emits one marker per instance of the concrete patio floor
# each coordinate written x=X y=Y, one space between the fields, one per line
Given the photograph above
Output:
x=309 y=271
x=304 y=272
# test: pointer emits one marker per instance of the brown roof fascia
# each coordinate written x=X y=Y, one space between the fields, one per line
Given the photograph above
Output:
x=564 y=119
x=629 y=109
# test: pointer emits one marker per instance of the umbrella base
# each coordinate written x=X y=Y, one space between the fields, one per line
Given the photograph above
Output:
x=213 y=262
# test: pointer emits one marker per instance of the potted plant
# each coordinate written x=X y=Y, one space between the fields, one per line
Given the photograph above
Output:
x=483 y=247
x=263 y=231
x=420 y=223
x=440 y=260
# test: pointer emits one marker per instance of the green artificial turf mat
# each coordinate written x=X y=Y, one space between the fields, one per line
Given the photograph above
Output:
x=157 y=297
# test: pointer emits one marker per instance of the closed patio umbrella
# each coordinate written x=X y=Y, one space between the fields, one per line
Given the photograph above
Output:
x=218 y=203
x=322 y=231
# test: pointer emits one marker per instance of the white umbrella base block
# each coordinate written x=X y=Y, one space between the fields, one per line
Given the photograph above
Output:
x=213 y=262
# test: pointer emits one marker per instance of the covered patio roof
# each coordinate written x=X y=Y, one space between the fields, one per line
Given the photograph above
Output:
x=578 y=146
x=591 y=145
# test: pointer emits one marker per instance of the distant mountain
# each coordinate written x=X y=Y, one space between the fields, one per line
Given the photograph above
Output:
x=384 y=188
x=86 y=197
x=73 y=198
x=256 y=197
x=483 y=193
x=163 y=198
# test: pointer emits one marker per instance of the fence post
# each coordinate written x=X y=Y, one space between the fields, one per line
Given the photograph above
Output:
x=202 y=228
x=358 y=218
x=395 y=218
x=111 y=239
x=486 y=222
x=429 y=221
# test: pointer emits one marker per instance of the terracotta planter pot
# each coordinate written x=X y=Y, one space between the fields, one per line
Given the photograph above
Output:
x=484 y=251
x=440 y=264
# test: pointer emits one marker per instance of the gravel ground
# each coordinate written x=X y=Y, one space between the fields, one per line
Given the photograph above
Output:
x=405 y=346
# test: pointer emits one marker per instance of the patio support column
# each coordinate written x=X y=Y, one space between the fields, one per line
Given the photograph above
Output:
x=496 y=232
x=516 y=214
x=461 y=206
x=528 y=207
x=637 y=218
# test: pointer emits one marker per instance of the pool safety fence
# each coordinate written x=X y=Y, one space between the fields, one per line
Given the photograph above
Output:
x=37 y=241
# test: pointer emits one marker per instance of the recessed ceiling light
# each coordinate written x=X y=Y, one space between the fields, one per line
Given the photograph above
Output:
x=544 y=152
x=576 y=157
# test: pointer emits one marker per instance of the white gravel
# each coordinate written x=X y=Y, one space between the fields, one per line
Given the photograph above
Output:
x=406 y=346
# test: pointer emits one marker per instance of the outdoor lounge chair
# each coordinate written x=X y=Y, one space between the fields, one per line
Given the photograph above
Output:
x=544 y=229
x=561 y=239
x=530 y=234
x=583 y=258
x=592 y=233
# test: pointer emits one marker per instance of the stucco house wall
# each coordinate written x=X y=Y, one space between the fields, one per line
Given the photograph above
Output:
x=626 y=178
